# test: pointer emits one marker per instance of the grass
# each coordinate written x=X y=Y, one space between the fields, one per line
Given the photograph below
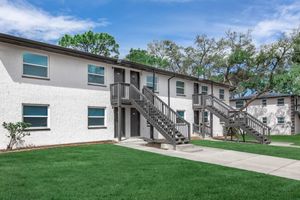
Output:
x=113 y=172
x=283 y=152
x=294 y=139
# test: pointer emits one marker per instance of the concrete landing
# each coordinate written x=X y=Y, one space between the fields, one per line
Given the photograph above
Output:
x=282 y=167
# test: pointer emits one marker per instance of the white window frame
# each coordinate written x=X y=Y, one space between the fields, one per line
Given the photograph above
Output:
x=278 y=102
x=180 y=88
x=104 y=75
x=204 y=86
x=37 y=116
x=280 y=123
x=33 y=76
x=221 y=89
x=264 y=102
x=184 y=114
x=104 y=117
x=206 y=118
x=264 y=118
x=239 y=101
x=157 y=84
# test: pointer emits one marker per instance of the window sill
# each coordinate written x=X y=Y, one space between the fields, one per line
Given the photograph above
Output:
x=181 y=95
x=97 y=127
x=36 y=77
x=95 y=84
x=38 y=129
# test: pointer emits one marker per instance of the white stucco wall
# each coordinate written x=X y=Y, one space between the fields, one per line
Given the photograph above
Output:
x=272 y=111
x=68 y=95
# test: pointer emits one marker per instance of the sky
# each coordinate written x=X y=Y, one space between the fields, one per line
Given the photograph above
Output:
x=135 y=23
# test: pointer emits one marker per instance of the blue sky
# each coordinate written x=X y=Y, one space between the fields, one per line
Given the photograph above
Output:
x=134 y=23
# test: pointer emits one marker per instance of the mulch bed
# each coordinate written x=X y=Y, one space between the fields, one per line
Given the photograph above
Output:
x=56 y=146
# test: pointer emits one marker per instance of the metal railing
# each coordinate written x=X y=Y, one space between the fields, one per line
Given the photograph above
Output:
x=236 y=117
x=202 y=129
x=181 y=124
x=125 y=92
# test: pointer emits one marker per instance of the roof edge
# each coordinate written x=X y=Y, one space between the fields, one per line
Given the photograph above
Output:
x=5 y=38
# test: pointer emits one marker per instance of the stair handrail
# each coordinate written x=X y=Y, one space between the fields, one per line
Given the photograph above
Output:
x=170 y=112
x=140 y=97
x=200 y=127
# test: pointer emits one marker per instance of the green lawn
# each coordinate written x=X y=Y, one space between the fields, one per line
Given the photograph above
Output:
x=295 y=139
x=112 y=172
x=284 y=152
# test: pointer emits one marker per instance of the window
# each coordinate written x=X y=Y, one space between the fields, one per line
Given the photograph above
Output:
x=239 y=103
x=221 y=94
x=149 y=83
x=280 y=102
x=264 y=120
x=96 y=117
x=96 y=75
x=264 y=102
x=280 y=120
x=179 y=88
x=35 y=65
x=36 y=115
x=204 y=89
x=181 y=114
x=205 y=116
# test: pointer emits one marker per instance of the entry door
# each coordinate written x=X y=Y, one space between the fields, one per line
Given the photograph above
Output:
x=134 y=80
x=134 y=122
x=122 y=122
x=196 y=91
x=196 y=117
x=119 y=77
x=196 y=88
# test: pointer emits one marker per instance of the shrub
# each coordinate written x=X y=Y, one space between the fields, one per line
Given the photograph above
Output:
x=16 y=131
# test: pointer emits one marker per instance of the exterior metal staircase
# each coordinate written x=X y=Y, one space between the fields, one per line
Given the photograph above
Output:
x=232 y=117
x=174 y=129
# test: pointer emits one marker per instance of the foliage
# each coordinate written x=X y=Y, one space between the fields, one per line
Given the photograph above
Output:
x=143 y=57
x=96 y=43
x=16 y=132
x=288 y=82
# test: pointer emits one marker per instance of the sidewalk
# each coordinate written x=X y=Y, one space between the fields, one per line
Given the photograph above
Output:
x=282 y=167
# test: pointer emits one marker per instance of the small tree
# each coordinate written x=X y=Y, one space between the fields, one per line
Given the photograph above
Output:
x=16 y=131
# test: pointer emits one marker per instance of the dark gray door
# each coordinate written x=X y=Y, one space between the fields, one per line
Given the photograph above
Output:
x=134 y=80
x=196 y=91
x=196 y=88
x=122 y=122
x=119 y=75
x=196 y=116
x=134 y=122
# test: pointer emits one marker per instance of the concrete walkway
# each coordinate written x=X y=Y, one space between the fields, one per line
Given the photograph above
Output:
x=281 y=167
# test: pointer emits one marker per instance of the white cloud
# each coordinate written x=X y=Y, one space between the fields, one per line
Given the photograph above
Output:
x=284 y=20
x=23 y=19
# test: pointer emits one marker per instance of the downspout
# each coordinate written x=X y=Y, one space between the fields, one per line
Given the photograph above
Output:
x=211 y=115
x=169 y=79
x=153 y=90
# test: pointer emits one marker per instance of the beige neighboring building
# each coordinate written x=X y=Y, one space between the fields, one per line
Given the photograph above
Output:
x=279 y=111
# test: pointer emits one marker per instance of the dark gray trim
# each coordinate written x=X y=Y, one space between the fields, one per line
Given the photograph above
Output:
x=37 y=129
x=264 y=97
x=36 y=77
x=80 y=54
x=100 y=127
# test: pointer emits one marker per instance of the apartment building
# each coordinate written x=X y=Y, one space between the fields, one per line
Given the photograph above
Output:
x=67 y=95
x=278 y=111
